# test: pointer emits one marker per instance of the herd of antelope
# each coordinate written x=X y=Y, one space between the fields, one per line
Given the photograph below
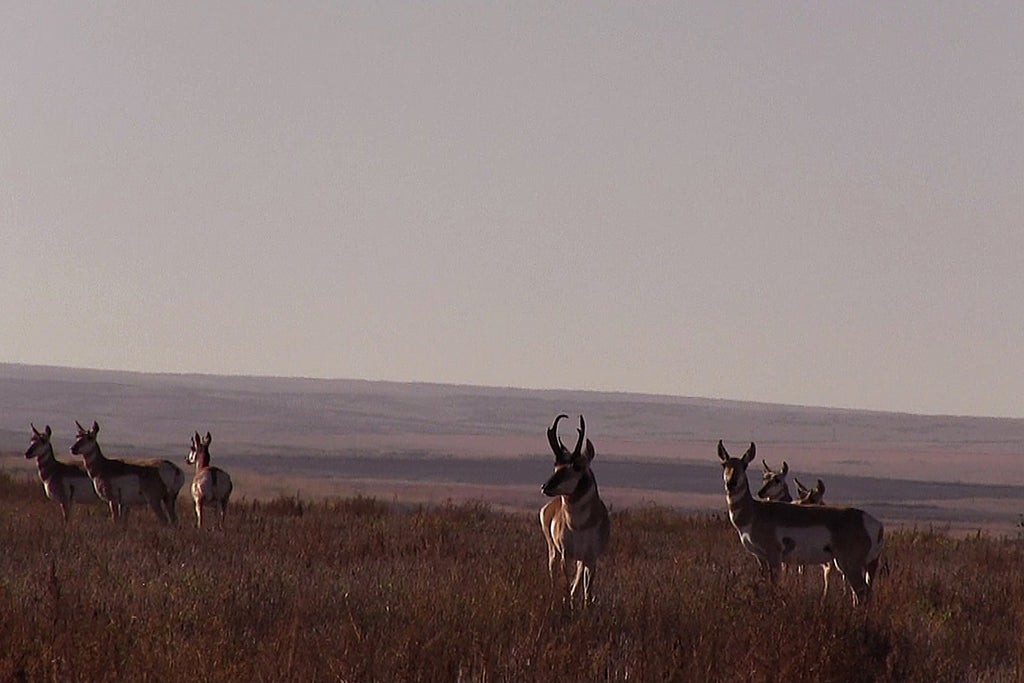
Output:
x=776 y=529
x=120 y=483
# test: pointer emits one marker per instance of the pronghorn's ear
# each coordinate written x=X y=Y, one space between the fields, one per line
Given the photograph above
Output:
x=207 y=439
x=47 y=431
x=588 y=451
x=722 y=453
x=785 y=468
x=95 y=427
x=749 y=455
x=820 y=488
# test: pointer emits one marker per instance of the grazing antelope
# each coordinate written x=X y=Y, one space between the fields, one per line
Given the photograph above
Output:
x=576 y=524
x=211 y=485
x=65 y=483
x=802 y=534
x=122 y=483
x=773 y=484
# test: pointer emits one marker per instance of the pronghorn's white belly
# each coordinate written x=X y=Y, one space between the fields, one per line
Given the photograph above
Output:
x=77 y=489
x=125 y=489
x=805 y=545
x=796 y=545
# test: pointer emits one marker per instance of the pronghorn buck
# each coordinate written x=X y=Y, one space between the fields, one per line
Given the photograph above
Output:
x=773 y=484
x=211 y=486
x=65 y=483
x=802 y=534
x=122 y=483
x=576 y=524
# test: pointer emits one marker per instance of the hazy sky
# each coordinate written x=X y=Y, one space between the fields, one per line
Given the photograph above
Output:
x=813 y=203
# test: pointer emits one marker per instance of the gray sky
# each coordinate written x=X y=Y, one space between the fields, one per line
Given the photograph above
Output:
x=814 y=203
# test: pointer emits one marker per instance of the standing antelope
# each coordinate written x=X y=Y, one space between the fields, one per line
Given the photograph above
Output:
x=211 y=485
x=576 y=524
x=773 y=484
x=65 y=483
x=806 y=496
x=815 y=496
x=121 y=483
x=774 y=488
x=802 y=534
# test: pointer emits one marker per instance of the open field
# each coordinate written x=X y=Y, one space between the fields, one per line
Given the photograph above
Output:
x=434 y=443
x=358 y=590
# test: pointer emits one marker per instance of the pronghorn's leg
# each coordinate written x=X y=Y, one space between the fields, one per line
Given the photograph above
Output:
x=853 y=571
x=588 y=579
x=576 y=581
x=65 y=509
x=826 y=569
x=113 y=509
x=171 y=501
x=222 y=509
x=199 y=514
x=547 y=513
x=871 y=571
x=158 y=508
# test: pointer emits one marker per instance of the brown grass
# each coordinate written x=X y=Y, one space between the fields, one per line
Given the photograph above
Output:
x=357 y=590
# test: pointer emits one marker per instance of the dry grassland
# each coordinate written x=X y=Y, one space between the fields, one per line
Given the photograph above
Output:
x=358 y=590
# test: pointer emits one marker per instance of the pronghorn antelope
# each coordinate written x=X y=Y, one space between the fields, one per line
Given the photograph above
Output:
x=773 y=484
x=802 y=534
x=806 y=496
x=122 y=483
x=815 y=496
x=65 y=483
x=211 y=485
x=774 y=488
x=576 y=523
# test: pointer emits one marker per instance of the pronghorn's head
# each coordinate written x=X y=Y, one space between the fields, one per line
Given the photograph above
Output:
x=86 y=440
x=773 y=483
x=200 y=449
x=40 y=442
x=734 y=470
x=806 y=496
x=570 y=468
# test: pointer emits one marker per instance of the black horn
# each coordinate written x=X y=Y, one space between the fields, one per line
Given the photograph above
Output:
x=579 y=440
x=557 y=446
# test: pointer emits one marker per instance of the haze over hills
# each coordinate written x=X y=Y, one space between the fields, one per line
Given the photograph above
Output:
x=435 y=442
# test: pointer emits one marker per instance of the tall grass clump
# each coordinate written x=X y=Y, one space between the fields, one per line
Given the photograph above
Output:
x=359 y=590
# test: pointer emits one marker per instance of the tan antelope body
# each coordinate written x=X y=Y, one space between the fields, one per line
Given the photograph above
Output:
x=65 y=483
x=211 y=486
x=774 y=488
x=802 y=534
x=576 y=524
x=122 y=483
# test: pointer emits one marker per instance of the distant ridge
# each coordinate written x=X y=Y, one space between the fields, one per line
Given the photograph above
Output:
x=155 y=409
x=439 y=441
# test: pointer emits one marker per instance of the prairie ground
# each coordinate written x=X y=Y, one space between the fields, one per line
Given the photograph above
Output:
x=355 y=589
